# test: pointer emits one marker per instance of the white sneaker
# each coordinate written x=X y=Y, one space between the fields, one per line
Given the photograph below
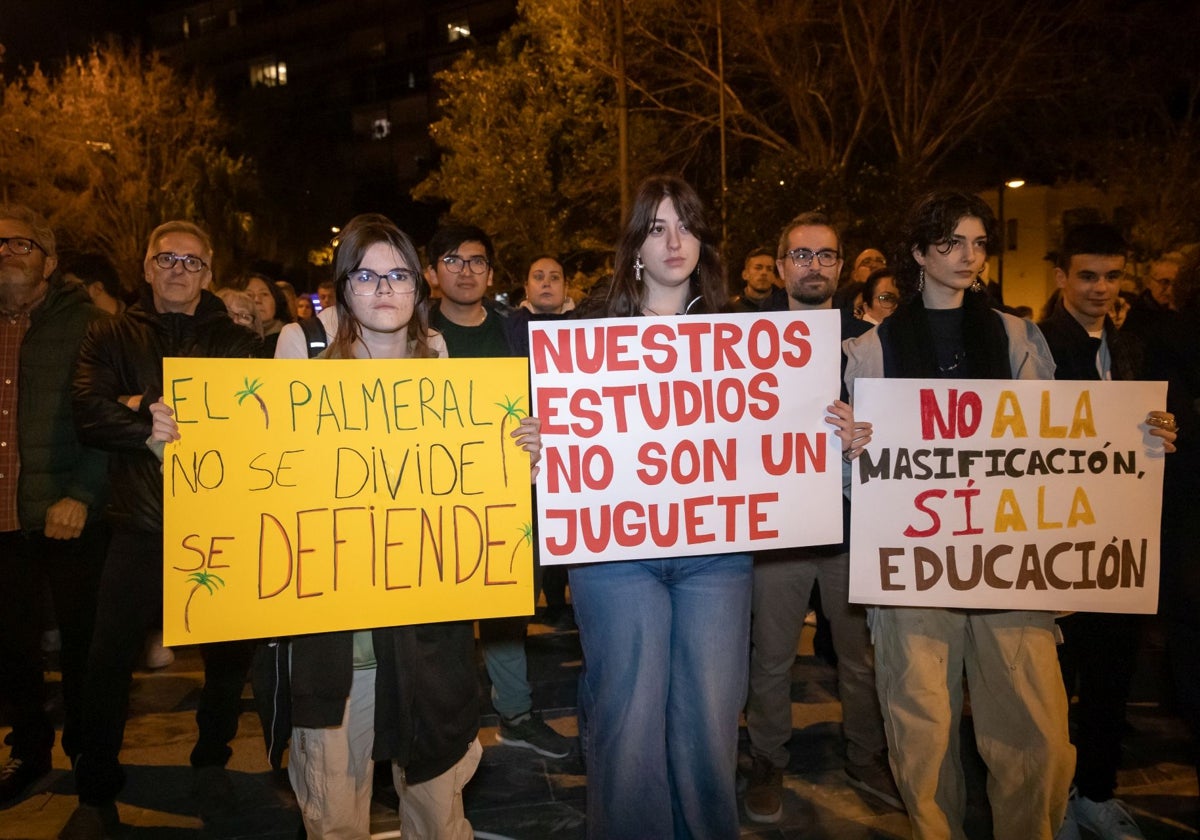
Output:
x=1108 y=820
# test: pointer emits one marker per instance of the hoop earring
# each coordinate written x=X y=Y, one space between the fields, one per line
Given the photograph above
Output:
x=637 y=268
x=921 y=281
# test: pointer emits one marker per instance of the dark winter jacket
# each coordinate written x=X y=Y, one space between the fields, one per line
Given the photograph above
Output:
x=54 y=464
x=426 y=692
x=1075 y=351
x=124 y=356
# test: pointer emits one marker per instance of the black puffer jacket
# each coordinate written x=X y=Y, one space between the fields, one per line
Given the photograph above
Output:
x=54 y=465
x=124 y=357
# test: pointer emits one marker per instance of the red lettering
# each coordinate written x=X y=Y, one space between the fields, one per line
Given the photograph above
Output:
x=795 y=334
x=919 y=504
x=617 y=349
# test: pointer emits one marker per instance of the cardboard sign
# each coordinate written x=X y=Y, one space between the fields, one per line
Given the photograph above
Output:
x=309 y=496
x=1007 y=495
x=684 y=436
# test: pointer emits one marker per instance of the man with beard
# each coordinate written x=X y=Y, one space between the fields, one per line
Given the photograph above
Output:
x=52 y=490
x=809 y=260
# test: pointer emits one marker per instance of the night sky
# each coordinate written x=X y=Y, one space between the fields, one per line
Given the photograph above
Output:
x=48 y=30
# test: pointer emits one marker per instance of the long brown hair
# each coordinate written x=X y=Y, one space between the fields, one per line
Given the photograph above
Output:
x=624 y=294
x=359 y=234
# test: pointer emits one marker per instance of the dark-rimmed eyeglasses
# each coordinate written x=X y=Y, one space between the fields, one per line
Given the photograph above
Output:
x=455 y=264
x=191 y=264
x=803 y=256
x=363 y=281
x=20 y=245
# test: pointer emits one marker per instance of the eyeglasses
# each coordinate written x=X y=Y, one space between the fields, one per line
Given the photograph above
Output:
x=363 y=281
x=455 y=264
x=246 y=318
x=166 y=261
x=20 y=245
x=802 y=257
x=888 y=300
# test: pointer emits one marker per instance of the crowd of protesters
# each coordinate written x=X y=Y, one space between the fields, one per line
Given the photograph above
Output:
x=675 y=649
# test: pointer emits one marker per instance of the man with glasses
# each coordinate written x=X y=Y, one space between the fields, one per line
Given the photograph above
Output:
x=809 y=261
x=52 y=490
x=867 y=261
x=460 y=265
x=117 y=379
x=880 y=296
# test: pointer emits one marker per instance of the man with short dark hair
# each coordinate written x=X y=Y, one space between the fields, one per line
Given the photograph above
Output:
x=52 y=489
x=760 y=293
x=118 y=377
x=809 y=261
x=1099 y=650
x=461 y=258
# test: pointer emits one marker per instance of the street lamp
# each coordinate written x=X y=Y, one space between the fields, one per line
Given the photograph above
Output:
x=1010 y=184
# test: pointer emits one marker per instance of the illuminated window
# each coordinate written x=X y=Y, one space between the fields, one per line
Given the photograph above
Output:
x=269 y=73
x=458 y=29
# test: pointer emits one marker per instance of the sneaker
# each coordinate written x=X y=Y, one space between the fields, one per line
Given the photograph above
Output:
x=764 y=794
x=91 y=822
x=214 y=794
x=18 y=777
x=533 y=733
x=876 y=779
x=158 y=656
x=1108 y=820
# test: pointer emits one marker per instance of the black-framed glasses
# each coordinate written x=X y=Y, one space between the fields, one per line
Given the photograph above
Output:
x=803 y=256
x=456 y=264
x=888 y=300
x=364 y=281
x=191 y=264
x=21 y=245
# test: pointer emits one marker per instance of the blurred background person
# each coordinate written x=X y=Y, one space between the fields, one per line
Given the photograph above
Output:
x=272 y=309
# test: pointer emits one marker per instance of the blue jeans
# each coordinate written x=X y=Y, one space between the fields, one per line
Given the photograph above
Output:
x=666 y=646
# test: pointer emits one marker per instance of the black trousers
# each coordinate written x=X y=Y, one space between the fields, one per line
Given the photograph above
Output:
x=129 y=606
x=29 y=562
x=1098 y=658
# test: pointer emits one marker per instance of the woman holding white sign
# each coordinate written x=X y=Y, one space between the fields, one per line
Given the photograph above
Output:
x=666 y=641
x=406 y=694
x=945 y=328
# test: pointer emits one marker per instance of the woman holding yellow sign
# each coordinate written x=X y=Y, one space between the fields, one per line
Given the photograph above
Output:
x=405 y=694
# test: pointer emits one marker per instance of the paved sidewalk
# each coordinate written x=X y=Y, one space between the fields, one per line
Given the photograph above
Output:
x=517 y=794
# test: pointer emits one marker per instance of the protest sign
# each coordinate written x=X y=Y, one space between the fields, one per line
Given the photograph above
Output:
x=1007 y=495
x=678 y=437
x=313 y=496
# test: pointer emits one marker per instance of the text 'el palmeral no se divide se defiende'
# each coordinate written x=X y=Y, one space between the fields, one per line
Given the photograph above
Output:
x=311 y=496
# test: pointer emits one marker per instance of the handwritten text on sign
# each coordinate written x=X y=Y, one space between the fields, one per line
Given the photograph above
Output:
x=1007 y=495
x=312 y=496
x=685 y=436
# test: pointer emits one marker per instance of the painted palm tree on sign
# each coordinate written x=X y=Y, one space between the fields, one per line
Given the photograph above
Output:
x=526 y=539
x=206 y=580
x=512 y=408
x=251 y=391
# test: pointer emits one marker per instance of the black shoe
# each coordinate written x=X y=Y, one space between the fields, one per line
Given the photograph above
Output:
x=92 y=822
x=18 y=777
x=535 y=734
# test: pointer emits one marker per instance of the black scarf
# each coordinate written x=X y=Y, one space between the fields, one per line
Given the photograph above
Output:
x=907 y=341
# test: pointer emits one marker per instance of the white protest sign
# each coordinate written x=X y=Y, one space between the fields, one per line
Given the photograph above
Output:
x=685 y=436
x=1007 y=495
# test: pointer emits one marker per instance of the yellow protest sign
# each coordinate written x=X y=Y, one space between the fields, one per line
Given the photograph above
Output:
x=312 y=496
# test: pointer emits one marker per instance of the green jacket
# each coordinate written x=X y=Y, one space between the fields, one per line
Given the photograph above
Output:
x=54 y=464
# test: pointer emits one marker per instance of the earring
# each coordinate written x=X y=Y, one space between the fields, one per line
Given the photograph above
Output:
x=977 y=286
x=921 y=281
x=637 y=268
